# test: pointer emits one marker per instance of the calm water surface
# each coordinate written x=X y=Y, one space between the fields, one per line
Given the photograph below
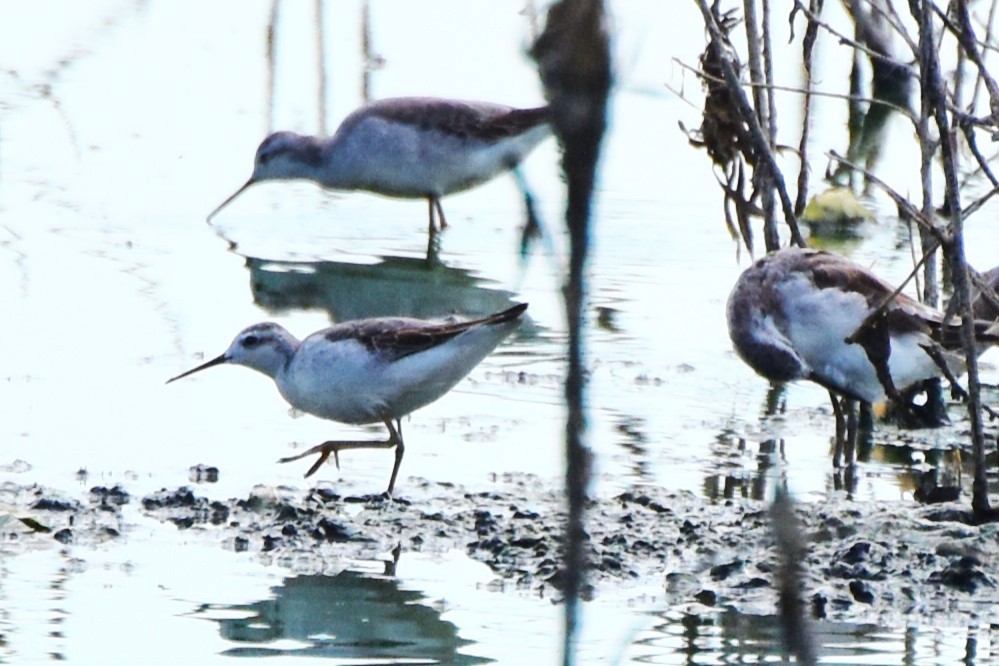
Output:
x=123 y=124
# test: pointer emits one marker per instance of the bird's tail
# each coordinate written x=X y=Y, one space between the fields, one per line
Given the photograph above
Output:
x=507 y=315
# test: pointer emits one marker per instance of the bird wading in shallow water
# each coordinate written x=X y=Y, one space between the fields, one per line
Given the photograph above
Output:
x=808 y=314
x=409 y=147
x=368 y=370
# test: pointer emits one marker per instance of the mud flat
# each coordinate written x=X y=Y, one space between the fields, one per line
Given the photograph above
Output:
x=884 y=562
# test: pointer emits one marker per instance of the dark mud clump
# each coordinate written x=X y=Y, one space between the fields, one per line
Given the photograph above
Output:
x=885 y=562
x=33 y=514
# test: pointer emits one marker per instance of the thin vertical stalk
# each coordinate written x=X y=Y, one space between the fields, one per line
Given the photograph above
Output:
x=930 y=293
x=979 y=80
x=368 y=54
x=573 y=56
x=935 y=101
x=321 y=58
x=927 y=150
x=763 y=172
x=807 y=44
x=771 y=238
x=755 y=134
x=272 y=23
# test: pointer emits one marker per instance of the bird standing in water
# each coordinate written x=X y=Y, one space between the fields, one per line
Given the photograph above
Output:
x=368 y=370
x=808 y=314
x=409 y=147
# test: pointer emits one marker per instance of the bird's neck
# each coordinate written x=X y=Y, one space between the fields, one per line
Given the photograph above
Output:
x=307 y=160
x=335 y=169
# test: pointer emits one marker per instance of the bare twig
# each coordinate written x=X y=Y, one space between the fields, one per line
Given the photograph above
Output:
x=852 y=43
x=957 y=391
x=988 y=27
x=965 y=34
x=877 y=312
x=935 y=102
x=756 y=134
x=763 y=103
x=903 y=204
x=807 y=43
x=792 y=89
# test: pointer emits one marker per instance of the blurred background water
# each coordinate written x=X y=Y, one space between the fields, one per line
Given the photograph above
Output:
x=122 y=124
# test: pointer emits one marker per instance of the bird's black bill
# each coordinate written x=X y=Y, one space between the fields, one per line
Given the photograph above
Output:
x=228 y=201
x=204 y=366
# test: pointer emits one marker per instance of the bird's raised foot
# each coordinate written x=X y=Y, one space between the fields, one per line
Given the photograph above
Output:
x=335 y=446
x=324 y=450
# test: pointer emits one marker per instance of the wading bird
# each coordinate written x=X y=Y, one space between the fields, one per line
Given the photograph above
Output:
x=409 y=147
x=808 y=314
x=368 y=370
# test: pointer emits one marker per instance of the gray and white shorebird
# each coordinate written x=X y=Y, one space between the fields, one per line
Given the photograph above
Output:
x=367 y=370
x=809 y=314
x=407 y=147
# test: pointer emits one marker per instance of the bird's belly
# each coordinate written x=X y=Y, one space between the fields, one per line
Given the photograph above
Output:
x=821 y=342
x=408 y=165
x=347 y=398
x=337 y=405
x=369 y=392
x=818 y=328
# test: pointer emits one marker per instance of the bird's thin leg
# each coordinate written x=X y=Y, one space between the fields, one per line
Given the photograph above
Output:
x=532 y=227
x=436 y=210
x=326 y=448
x=840 y=430
x=400 y=448
x=852 y=428
x=441 y=221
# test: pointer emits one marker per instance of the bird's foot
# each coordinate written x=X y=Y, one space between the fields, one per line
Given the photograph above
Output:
x=324 y=450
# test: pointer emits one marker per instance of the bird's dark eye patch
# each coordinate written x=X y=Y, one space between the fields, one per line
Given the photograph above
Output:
x=271 y=146
x=251 y=341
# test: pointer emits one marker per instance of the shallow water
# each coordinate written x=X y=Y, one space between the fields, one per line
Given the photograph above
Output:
x=123 y=124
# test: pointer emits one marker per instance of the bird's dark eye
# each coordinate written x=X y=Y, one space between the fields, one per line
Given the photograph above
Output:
x=270 y=147
x=251 y=341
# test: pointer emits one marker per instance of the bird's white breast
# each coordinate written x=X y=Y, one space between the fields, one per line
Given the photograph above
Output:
x=818 y=322
x=334 y=380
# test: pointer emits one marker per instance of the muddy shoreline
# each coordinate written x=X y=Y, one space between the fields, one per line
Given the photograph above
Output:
x=889 y=563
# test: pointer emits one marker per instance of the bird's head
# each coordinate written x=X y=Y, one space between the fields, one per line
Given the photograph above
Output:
x=265 y=347
x=281 y=156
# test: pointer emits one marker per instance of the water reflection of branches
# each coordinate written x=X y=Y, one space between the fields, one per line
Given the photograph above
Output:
x=636 y=443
